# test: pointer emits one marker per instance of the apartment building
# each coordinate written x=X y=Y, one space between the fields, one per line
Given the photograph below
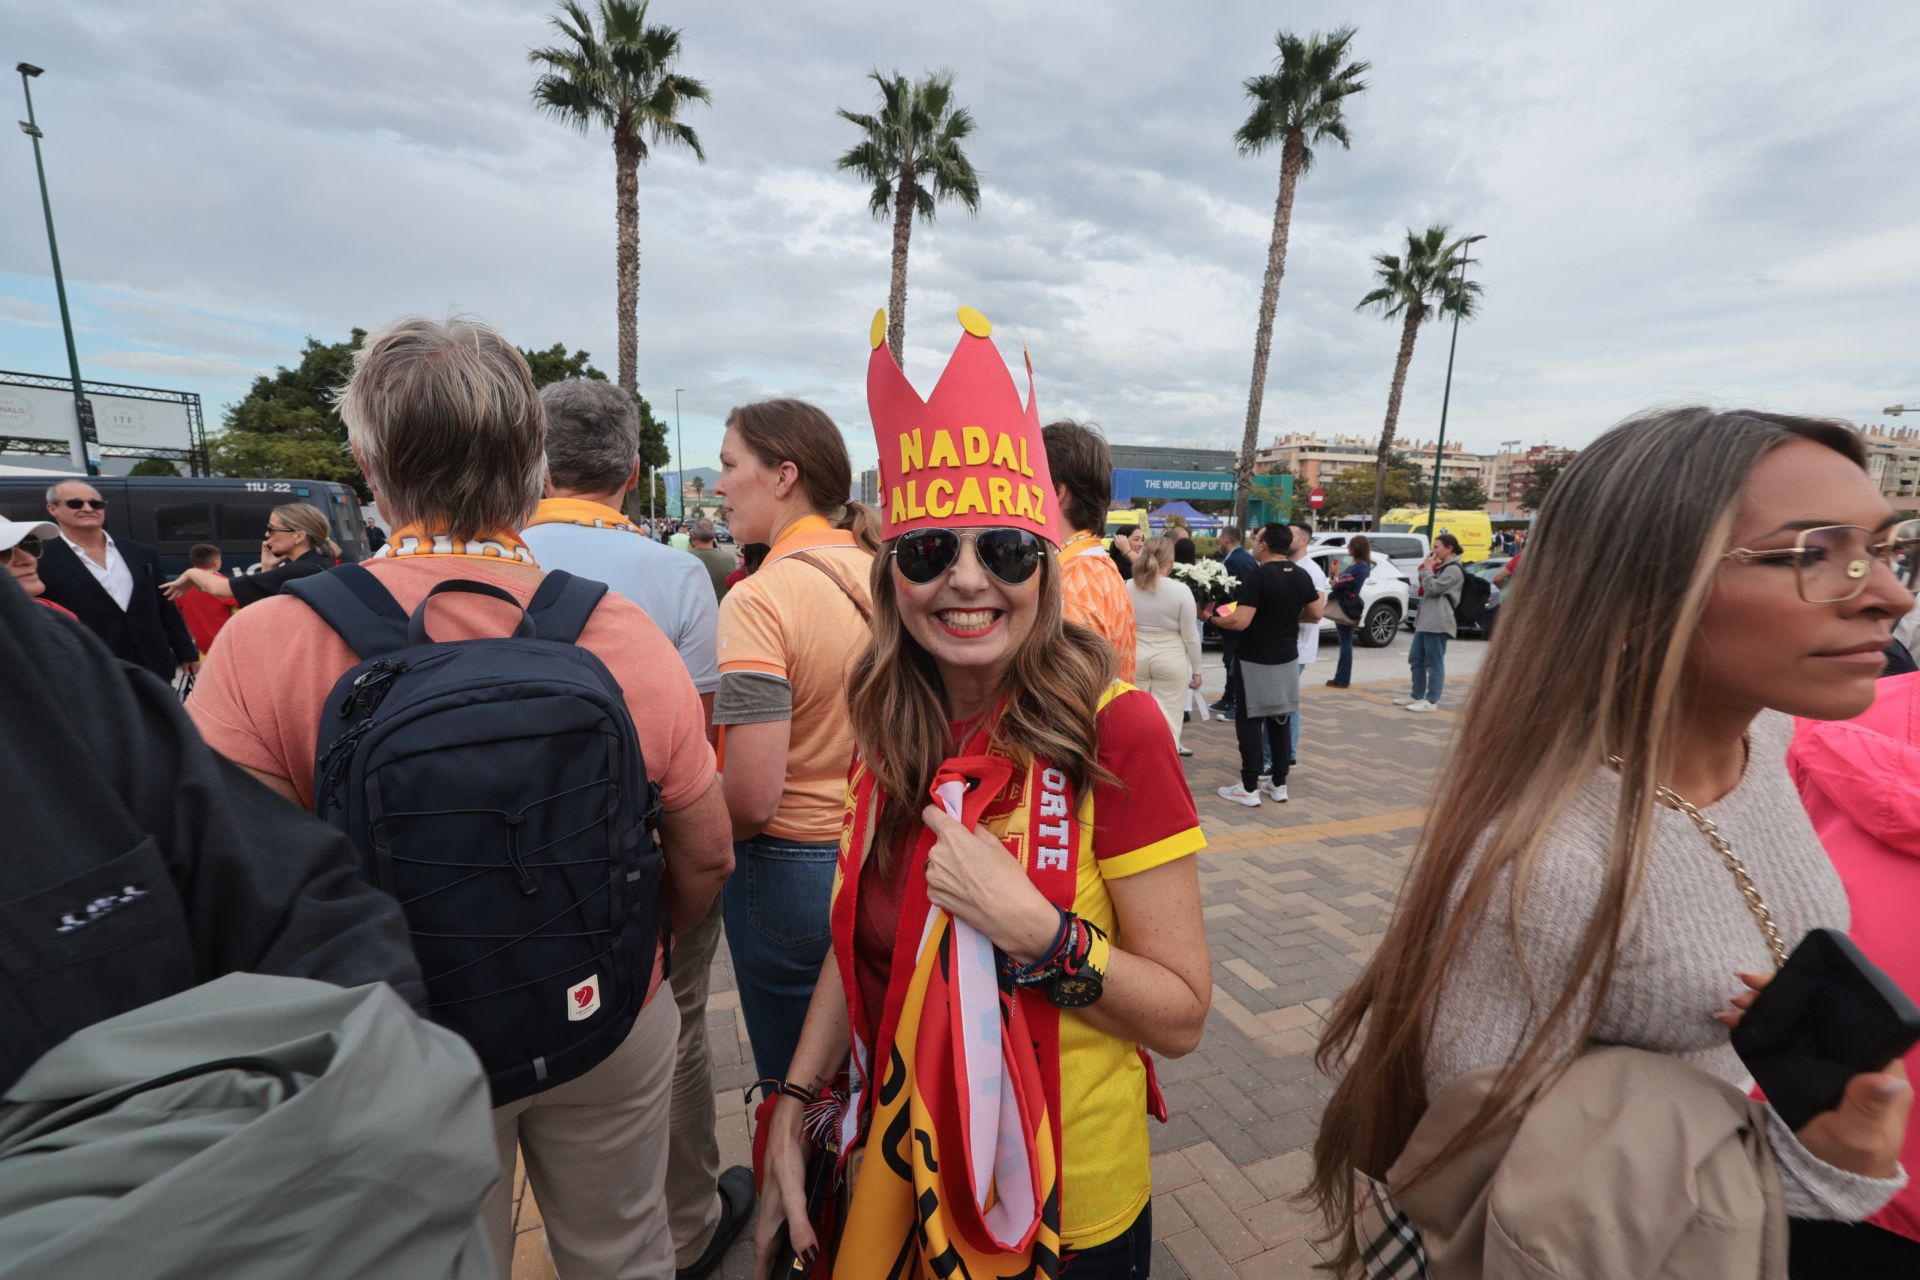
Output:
x=1893 y=461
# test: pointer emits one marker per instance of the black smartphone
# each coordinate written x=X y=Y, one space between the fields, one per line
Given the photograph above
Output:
x=1828 y=1015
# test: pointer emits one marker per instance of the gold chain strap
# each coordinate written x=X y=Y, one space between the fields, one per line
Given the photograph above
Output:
x=1741 y=879
x=1755 y=904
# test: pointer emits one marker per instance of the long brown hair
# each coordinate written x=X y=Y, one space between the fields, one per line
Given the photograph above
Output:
x=1626 y=621
x=899 y=706
x=787 y=430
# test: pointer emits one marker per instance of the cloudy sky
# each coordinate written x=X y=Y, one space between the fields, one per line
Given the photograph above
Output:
x=1715 y=201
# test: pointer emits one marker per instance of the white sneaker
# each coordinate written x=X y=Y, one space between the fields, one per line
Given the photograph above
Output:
x=1240 y=795
x=1405 y=700
x=1271 y=792
x=1422 y=705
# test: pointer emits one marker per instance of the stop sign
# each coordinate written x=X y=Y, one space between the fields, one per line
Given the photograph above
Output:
x=1318 y=498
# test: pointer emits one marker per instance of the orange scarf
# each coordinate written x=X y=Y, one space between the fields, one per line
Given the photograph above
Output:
x=588 y=515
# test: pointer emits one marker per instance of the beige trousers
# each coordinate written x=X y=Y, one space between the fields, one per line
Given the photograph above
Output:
x=1160 y=668
x=596 y=1156
x=693 y=1145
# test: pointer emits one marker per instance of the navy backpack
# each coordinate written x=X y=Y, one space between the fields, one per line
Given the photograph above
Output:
x=496 y=789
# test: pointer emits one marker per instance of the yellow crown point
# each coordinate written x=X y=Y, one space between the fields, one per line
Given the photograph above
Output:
x=975 y=323
x=877 y=331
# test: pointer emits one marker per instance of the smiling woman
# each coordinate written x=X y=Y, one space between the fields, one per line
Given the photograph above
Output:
x=977 y=690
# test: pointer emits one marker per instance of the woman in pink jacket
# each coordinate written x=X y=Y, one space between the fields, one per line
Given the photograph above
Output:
x=1860 y=782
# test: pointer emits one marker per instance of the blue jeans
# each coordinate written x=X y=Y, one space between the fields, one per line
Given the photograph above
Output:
x=776 y=906
x=1343 y=673
x=1293 y=726
x=1429 y=662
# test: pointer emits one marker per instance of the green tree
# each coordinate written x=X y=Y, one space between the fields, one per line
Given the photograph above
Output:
x=287 y=425
x=154 y=467
x=1424 y=284
x=911 y=154
x=1540 y=481
x=1350 y=493
x=619 y=77
x=1463 y=493
x=555 y=365
x=1296 y=106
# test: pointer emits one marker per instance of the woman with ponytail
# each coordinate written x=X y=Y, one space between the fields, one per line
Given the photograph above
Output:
x=788 y=638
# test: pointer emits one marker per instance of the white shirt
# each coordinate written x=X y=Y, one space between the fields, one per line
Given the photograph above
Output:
x=114 y=576
x=1310 y=631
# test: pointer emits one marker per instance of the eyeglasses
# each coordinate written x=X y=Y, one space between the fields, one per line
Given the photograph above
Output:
x=31 y=545
x=271 y=530
x=75 y=504
x=1833 y=562
x=1011 y=555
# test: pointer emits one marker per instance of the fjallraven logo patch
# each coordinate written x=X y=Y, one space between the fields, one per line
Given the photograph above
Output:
x=583 y=999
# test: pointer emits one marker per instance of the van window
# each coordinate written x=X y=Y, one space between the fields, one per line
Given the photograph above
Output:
x=1396 y=528
x=1398 y=548
x=183 y=521
x=245 y=520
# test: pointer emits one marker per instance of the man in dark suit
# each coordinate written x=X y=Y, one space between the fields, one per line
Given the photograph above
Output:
x=113 y=586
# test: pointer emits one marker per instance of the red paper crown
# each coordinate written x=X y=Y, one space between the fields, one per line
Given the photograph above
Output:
x=967 y=457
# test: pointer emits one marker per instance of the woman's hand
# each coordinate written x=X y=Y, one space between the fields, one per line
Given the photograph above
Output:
x=1195 y=682
x=783 y=1200
x=1863 y=1134
x=187 y=581
x=972 y=877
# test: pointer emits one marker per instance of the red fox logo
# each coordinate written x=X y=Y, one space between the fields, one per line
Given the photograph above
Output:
x=583 y=997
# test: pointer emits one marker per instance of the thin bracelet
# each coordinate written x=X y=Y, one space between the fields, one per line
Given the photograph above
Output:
x=1021 y=973
x=798 y=1092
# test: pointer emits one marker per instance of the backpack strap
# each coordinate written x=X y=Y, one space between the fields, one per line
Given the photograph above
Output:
x=560 y=608
x=361 y=611
x=807 y=557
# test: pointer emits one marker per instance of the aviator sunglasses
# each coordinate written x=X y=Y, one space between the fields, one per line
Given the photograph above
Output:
x=1011 y=555
x=75 y=504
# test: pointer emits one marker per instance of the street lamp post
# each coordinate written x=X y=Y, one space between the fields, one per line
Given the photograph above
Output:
x=82 y=455
x=679 y=448
x=1433 y=502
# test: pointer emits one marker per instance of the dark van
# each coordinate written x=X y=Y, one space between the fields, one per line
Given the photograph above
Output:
x=174 y=514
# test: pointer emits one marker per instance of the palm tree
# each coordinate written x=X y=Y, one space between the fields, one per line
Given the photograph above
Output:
x=911 y=154
x=699 y=486
x=619 y=77
x=1423 y=285
x=1298 y=105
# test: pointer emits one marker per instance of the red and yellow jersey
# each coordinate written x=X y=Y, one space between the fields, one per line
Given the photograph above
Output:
x=1144 y=821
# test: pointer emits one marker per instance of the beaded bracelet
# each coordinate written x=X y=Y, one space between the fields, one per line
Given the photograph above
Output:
x=799 y=1093
x=1065 y=942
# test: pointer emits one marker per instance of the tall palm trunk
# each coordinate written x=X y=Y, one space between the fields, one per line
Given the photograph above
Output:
x=1290 y=158
x=904 y=192
x=1409 y=330
x=626 y=253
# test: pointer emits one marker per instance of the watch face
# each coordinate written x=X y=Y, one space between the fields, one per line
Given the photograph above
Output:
x=1075 y=991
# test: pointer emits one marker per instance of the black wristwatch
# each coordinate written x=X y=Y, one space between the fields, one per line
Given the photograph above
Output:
x=1082 y=977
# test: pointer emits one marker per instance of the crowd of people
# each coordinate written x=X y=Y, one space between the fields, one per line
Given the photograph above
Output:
x=921 y=766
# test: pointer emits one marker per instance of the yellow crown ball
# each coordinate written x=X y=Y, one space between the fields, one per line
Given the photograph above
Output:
x=975 y=323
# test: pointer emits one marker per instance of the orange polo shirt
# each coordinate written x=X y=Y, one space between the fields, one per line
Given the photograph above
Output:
x=789 y=621
x=1096 y=597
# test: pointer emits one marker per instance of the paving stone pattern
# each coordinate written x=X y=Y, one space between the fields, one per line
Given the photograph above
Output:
x=1295 y=897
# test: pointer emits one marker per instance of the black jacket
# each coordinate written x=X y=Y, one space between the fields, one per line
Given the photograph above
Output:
x=251 y=588
x=136 y=863
x=149 y=631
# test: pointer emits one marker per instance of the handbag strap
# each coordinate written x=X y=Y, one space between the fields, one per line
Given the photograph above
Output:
x=807 y=557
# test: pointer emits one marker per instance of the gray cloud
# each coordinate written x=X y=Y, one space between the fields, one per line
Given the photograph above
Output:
x=1678 y=203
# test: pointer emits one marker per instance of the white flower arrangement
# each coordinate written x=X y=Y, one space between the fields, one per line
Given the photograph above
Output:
x=1209 y=580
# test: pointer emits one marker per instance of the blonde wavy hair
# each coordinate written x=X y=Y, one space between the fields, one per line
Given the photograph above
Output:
x=304 y=517
x=1154 y=562
x=899 y=706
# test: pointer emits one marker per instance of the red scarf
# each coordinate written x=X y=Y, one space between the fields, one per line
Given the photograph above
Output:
x=963 y=1174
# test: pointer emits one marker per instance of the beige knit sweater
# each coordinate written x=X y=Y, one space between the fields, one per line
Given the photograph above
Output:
x=1685 y=935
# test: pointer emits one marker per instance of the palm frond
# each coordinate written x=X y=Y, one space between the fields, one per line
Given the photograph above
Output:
x=1303 y=97
x=880 y=204
x=617 y=74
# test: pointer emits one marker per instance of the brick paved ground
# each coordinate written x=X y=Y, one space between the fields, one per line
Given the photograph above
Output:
x=1295 y=897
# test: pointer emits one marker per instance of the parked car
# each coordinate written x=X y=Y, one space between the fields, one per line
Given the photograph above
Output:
x=722 y=534
x=172 y=514
x=1406 y=550
x=1383 y=602
x=1482 y=626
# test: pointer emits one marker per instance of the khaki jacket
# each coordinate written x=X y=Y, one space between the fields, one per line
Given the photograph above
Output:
x=1631 y=1166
